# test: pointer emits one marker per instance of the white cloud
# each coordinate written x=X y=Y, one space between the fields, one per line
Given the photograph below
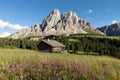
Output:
x=90 y=11
x=4 y=34
x=114 y=21
x=4 y=24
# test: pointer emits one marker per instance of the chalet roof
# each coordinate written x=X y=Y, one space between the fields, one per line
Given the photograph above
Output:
x=54 y=43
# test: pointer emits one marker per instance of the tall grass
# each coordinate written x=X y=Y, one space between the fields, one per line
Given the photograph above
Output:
x=18 y=64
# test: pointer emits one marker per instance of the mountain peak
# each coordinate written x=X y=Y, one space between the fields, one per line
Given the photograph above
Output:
x=57 y=24
x=51 y=20
x=70 y=13
x=56 y=11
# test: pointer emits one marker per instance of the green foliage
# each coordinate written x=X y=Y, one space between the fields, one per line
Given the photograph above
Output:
x=18 y=43
x=74 y=44
x=87 y=43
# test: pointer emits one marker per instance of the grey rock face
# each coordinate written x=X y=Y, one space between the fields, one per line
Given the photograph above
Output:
x=70 y=21
x=56 y=24
x=111 y=30
x=51 y=20
x=69 y=18
x=36 y=30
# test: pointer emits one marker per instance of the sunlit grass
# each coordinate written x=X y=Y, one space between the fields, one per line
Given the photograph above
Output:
x=8 y=56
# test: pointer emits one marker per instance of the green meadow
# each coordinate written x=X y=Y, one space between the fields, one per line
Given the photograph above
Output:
x=14 y=65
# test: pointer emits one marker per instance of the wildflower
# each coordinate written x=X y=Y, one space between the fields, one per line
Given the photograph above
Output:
x=21 y=77
x=30 y=79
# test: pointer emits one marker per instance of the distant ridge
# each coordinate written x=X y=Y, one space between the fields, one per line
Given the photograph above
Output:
x=111 y=30
x=57 y=24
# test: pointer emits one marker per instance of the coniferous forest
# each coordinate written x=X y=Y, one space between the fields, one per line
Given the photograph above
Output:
x=74 y=45
x=18 y=43
x=100 y=46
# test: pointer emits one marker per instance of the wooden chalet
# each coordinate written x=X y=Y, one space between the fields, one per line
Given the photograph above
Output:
x=51 y=46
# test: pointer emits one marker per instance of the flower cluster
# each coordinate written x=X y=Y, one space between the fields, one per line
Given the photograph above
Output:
x=52 y=70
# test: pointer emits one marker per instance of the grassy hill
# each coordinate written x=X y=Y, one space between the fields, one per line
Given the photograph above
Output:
x=18 y=64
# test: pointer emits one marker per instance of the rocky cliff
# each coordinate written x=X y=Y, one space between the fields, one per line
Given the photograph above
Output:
x=57 y=24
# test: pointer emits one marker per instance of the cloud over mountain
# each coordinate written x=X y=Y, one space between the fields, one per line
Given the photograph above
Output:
x=4 y=24
x=4 y=34
x=114 y=21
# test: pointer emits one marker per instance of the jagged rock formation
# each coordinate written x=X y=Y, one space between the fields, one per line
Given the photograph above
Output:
x=111 y=30
x=56 y=24
x=50 y=21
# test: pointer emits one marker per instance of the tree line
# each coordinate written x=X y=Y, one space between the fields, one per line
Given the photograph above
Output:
x=18 y=43
x=74 y=44
x=101 y=46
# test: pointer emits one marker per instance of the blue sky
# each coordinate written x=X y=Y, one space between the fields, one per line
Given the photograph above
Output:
x=17 y=14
